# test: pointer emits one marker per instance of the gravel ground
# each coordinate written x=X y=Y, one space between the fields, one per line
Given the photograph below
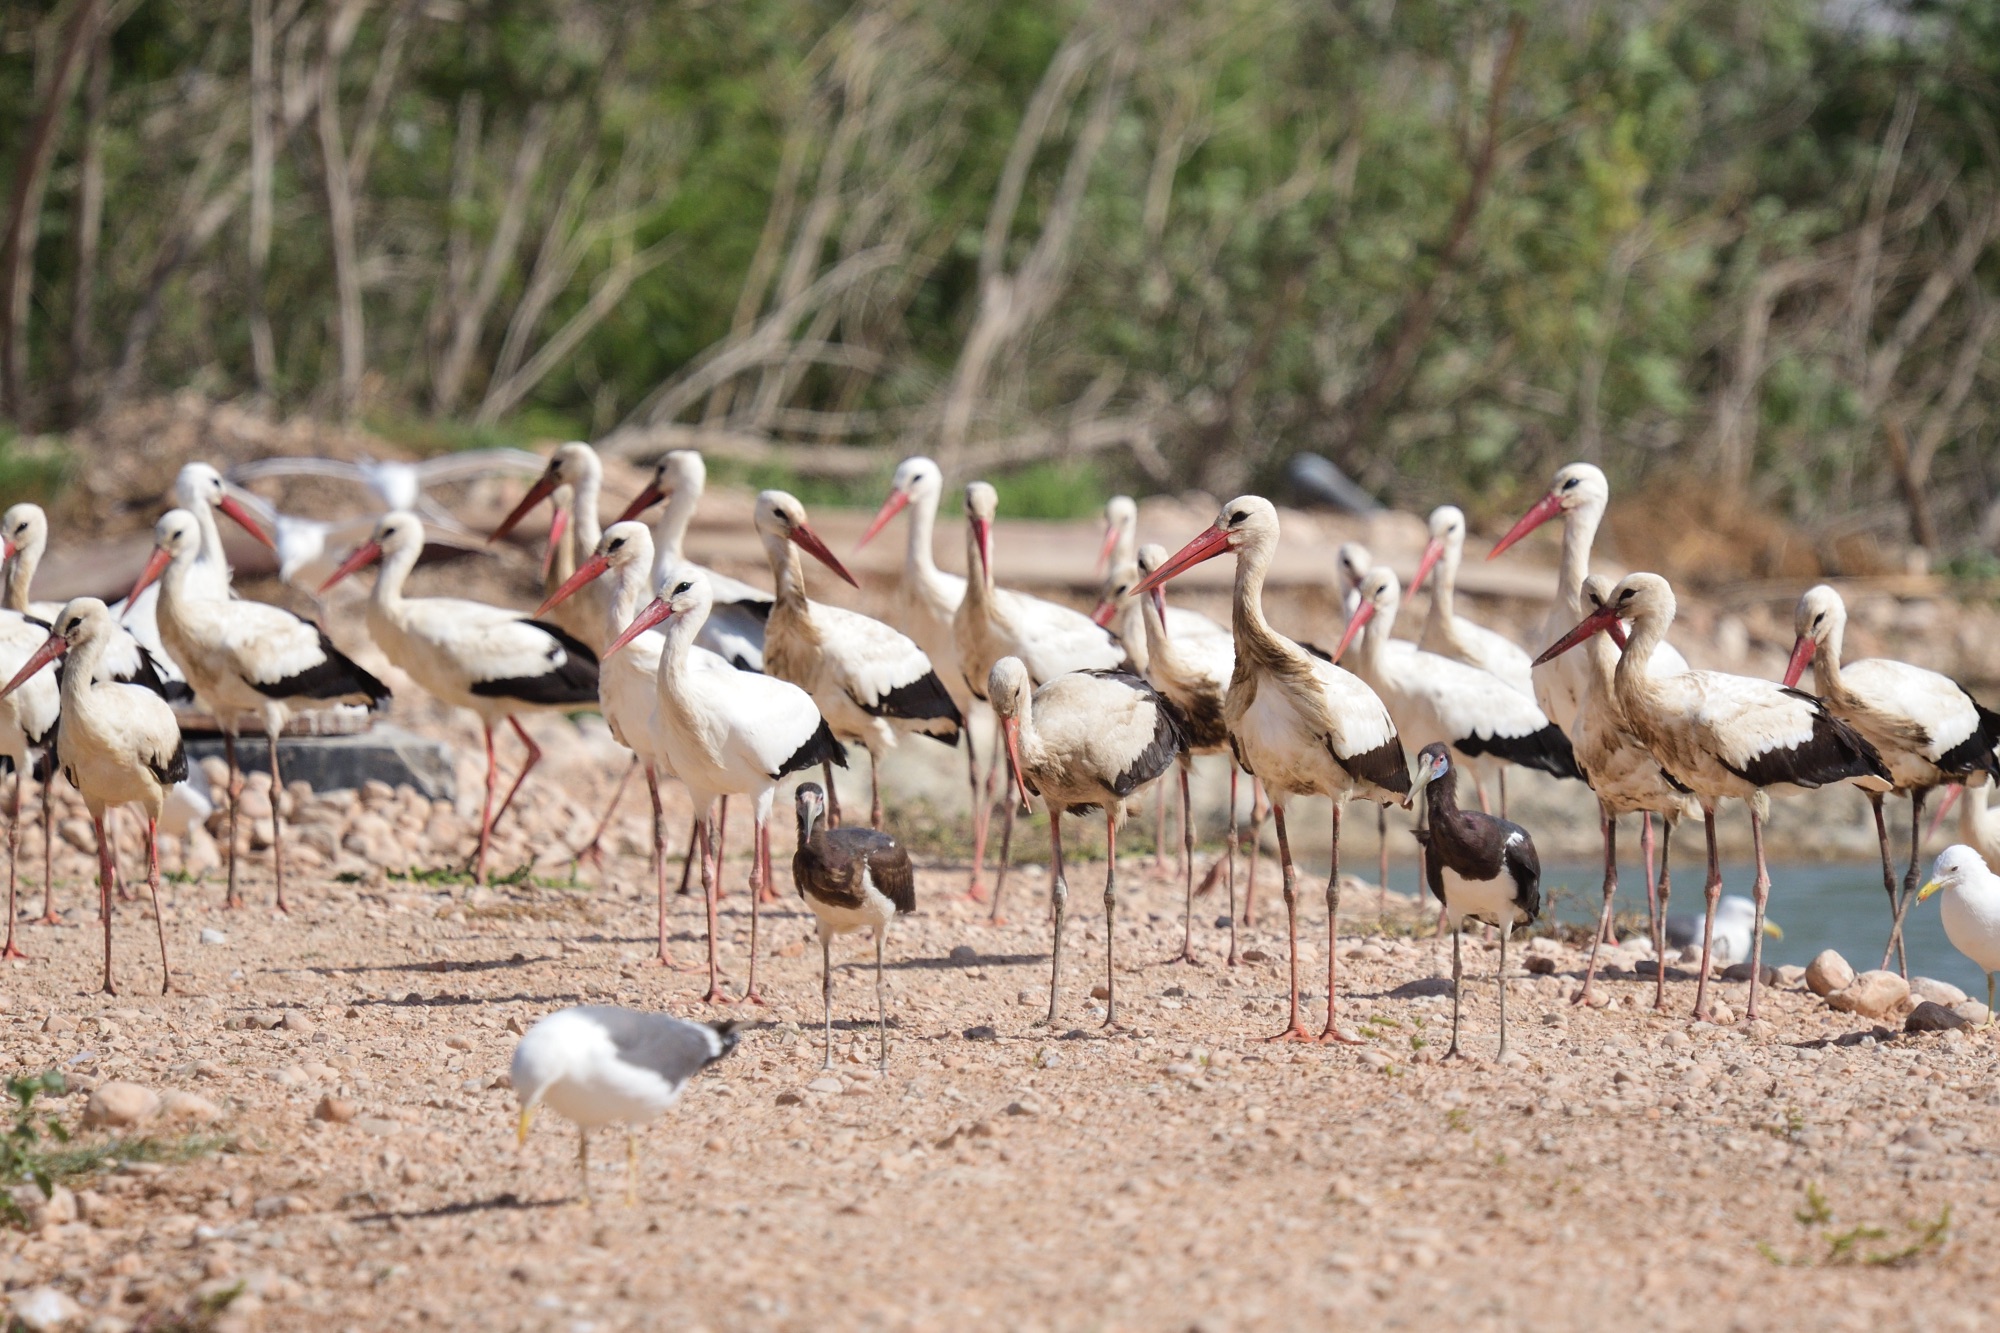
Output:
x=1180 y=1174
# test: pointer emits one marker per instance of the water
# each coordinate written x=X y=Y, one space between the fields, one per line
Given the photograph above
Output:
x=1818 y=906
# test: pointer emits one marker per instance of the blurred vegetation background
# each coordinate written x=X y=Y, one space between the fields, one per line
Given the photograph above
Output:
x=1741 y=254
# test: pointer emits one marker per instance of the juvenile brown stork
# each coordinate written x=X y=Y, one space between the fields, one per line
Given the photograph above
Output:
x=119 y=744
x=1481 y=867
x=853 y=879
x=1297 y=721
x=1928 y=729
x=1722 y=736
x=1087 y=740
x=870 y=683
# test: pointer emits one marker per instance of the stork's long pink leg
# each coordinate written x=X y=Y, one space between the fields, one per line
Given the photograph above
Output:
x=1762 y=892
x=1382 y=857
x=232 y=898
x=1713 y=892
x=662 y=958
x=277 y=821
x=1058 y=907
x=1333 y=1032
x=760 y=857
x=13 y=950
x=1609 y=824
x=1229 y=852
x=1110 y=913
x=1294 y=1030
x=1186 y=955
x=593 y=851
x=1660 y=919
x=711 y=875
x=976 y=890
x=982 y=820
x=1652 y=873
x=1256 y=849
x=486 y=812
x=159 y=914
x=104 y=874
x=49 y=917
x=1888 y=872
x=1908 y=895
x=534 y=757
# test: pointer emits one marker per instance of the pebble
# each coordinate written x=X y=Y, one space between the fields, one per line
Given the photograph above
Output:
x=1930 y=1016
x=118 y=1104
x=825 y=1083
x=210 y=935
x=1937 y=992
x=176 y=1104
x=1828 y=973
x=278 y=1205
x=1872 y=994
x=59 y=1023
x=294 y=1021
x=43 y=1308
x=335 y=1110
x=964 y=955
x=55 y=1210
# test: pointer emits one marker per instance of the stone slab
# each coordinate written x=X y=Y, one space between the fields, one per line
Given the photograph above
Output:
x=335 y=763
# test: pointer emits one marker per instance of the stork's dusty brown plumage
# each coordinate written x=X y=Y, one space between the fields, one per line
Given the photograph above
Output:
x=853 y=879
x=1480 y=867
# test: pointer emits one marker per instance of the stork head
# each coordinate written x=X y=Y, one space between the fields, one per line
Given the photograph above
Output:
x=623 y=545
x=684 y=592
x=80 y=621
x=1433 y=762
x=1596 y=592
x=1447 y=527
x=24 y=527
x=1249 y=523
x=177 y=536
x=1121 y=525
x=1380 y=597
x=1151 y=556
x=1578 y=486
x=1637 y=598
x=679 y=471
x=199 y=486
x=982 y=504
x=917 y=478
x=396 y=533
x=569 y=465
x=1007 y=689
x=780 y=518
x=810 y=802
x=1819 y=622
x=1957 y=867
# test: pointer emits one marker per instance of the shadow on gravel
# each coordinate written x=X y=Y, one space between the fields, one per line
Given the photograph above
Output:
x=509 y=1201
x=982 y=960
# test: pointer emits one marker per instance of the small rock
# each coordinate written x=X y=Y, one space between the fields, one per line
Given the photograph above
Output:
x=192 y=1107
x=1255 y=956
x=1023 y=1108
x=1025 y=997
x=1542 y=964
x=118 y=1103
x=294 y=1021
x=1930 y=1016
x=1741 y=972
x=1973 y=1012
x=376 y=1125
x=1937 y=992
x=278 y=1205
x=1100 y=991
x=44 y=1308
x=1920 y=1139
x=459 y=1042
x=1720 y=1013
x=825 y=1083
x=210 y=935
x=1376 y=1060
x=58 y=1209
x=335 y=1110
x=1790 y=975
x=1828 y=973
x=790 y=1099
x=59 y=1023
x=1872 y=994
x=964 y=955
x=982 y=1032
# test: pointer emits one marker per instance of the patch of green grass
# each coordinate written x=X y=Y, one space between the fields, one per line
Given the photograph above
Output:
x=428 y=436
x=38 y=1148
x=1853 y=1245
x=35 y=470
x=1068 y=488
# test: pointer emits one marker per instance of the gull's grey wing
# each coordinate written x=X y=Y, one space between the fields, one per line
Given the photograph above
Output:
x=673 y=1048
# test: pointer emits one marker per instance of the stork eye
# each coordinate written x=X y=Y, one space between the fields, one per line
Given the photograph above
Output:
x=1625 y=596
x=1570 y=485
x=1238 y=517
x=683 y=588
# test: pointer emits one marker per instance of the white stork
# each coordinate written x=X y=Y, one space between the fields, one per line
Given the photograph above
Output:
x=1485 y=720
x=1087 y=740
x=1449 y=634
x=1721 y=736
x=119 y=745
x=628 y=684
x=993 y=622
x=1303 y=725
x=27 y=723
x=586 y=613
x=1121 y=535
x=1926 y=727
x=1978 y=826
x=726 y=733
x=495 y=662
x=870 y=683
x=735 y=627
x=926 y=602
x=246 y=657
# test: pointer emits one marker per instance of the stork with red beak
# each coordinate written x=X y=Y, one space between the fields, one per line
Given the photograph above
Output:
x=575 y=465
x=1303 y=725
x=870 y=683
x=1927 y=727
x=1449 y=634
x=734 y=629
x=1720 y=736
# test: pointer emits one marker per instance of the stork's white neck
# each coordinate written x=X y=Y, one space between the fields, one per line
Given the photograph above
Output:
x=918 y=558
x=1826 y=658
x=1444 y=591
x=1634 y=677
x=585 y=521
x=21 y=574
x=670 y=532
x=391 y=575
x=788 y=570
x=1579 y=532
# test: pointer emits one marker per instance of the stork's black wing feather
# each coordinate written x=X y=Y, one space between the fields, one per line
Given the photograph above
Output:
x=1833 y=752
x=572 y=681
x=820 y=748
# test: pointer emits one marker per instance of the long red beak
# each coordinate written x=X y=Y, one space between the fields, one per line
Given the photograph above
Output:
x=1544 y=509
x=52 y=647
x=1431 y=554
x=984 y=531
x=1105 y=612
x=1802 y=655
x=890 y=508
x=154 y=568
x=1951 y=795
x=362 y=556
x=643 y=501
x=545 y=486
x=653 y=613
x=229 y=505
x=1600 y=620
x=1104 y=553
x=1362 y=615
x=558 y=525
x=1617 y=633
x=1011 y=727
x=808 y=541
x=588 y=570
x=1205 y=546
x=6 y=548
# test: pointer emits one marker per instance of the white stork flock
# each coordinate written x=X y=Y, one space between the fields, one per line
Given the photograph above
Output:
x=1449 y=634
x=119 y=745
x=1926 y=727
x=1303 y=725
x=727 y=732
x=489 y=660
x=1721 y=736
x=1087 y=740
x=994 y=622
x=870 y=683
x=246 y=657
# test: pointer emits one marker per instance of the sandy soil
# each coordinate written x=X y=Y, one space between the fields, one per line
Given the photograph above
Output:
x=1180 y=1174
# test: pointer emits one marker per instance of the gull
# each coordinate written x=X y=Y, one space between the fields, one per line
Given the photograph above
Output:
x=1971 y=909
x=396 y=484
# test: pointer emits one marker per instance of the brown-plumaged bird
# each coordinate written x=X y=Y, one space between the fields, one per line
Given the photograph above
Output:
x=853 y=879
